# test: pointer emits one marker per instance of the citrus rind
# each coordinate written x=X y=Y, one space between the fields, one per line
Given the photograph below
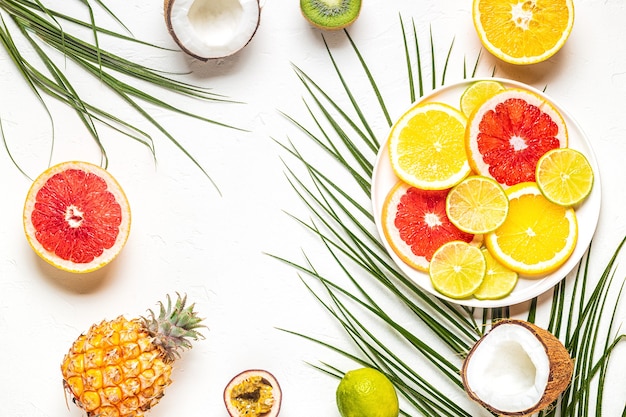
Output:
x=512 y=28
x=522 y=242
x=49 y=256
x=427 y=146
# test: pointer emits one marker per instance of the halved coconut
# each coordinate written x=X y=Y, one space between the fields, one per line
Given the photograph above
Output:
x=208 y=29
x=516 y=369
x=253 y=392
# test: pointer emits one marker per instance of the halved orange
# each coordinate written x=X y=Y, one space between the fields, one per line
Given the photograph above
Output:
x=523 y=31
x=427 y=146
x=76 y=216
x=415 y=224
x=509 y=132
x=537 y=236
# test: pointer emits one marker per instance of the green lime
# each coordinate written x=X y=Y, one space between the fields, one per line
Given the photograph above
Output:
x=499 y=280
x=366 y=392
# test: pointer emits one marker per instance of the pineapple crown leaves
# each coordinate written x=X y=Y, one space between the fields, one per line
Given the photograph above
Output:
x=175 y=326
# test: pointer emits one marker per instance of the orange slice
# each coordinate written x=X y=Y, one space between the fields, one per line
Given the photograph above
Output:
x=457 y=269
x=415 y=224
x=427 y=146
x=76 y=217
x=564 y=176
x=537 y=236
x=509 y=132
x=477 y=205
x=523 y=31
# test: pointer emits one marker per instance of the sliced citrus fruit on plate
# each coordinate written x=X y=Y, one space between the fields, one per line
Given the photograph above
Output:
x=457 y=269
x=477 y=93
x=76 y=216
x=523 y=31
x=564 y=176
x=427 y=146
x=477 y=205
x=568 y=134
x=499 y=280
x=537 y=236
x=509 y=132
x=415 y=224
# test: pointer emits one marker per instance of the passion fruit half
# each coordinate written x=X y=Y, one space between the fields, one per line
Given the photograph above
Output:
x=253 y=393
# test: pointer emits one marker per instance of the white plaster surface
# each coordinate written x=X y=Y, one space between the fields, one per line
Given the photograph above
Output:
x=187 y=237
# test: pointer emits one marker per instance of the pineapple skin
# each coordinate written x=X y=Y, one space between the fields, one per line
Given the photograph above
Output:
x=115 y=369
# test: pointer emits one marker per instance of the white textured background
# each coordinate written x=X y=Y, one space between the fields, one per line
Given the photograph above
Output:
x=185 y=237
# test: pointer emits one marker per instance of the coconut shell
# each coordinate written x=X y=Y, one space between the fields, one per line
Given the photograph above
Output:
x=167 y=12
x=560 y=372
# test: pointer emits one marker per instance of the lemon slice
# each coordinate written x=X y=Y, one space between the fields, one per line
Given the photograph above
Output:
x=523 y=31
x=477 y=205
x=537 y=236
x=477 y=93
x=564 y=176
x=427 y=146
x=499 y=280
x=457 y=269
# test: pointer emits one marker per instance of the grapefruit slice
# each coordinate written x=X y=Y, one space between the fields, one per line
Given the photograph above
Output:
x=415 y=224
x=76 y=217
x=509 y=132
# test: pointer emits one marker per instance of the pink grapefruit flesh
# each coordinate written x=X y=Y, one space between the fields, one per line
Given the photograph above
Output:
x=76 y=217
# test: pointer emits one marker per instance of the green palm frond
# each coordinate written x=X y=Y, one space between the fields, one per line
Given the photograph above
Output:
x=358 y=292
x=46 y=32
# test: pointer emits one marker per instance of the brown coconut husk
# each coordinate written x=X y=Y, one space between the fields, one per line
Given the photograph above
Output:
x=560 y=373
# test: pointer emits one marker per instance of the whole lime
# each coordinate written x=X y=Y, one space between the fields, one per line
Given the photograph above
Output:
x=366 y=392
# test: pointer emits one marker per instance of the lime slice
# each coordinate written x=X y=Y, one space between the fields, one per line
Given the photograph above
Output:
x=457 y=269
x=477 y=93
x=477 y=205
x=564 y=176
x=499 y=280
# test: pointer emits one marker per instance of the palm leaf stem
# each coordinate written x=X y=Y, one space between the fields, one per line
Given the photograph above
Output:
x=41 y=25
x=450 y=313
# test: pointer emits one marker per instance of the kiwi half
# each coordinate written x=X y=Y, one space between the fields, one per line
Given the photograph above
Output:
x=330 y=14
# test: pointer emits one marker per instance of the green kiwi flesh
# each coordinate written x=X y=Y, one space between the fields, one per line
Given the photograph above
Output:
x=330 y=14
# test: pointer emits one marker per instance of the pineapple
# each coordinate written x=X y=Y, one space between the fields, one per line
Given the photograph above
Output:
x=120 y=368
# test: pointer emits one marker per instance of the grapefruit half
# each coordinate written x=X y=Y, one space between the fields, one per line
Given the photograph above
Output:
x=509 y=132
x=415 y=223
x=76 y=217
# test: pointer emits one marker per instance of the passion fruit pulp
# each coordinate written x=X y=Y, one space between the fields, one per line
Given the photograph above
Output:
x=253 y=393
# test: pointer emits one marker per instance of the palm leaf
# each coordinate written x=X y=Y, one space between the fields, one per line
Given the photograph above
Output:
x=45 y=31
x=365 y=279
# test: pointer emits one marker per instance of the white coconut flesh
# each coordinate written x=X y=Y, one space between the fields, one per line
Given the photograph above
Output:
x=509 y=370
x=209 y=29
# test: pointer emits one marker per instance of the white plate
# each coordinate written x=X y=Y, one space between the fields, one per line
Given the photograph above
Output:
x=384 y=179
